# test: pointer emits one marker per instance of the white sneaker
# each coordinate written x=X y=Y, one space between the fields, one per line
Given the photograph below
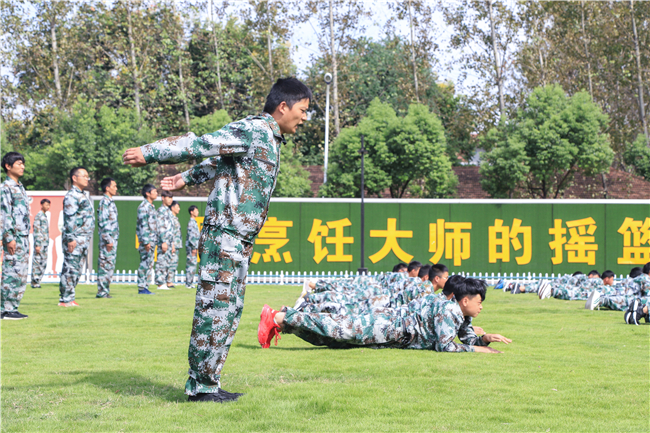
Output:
x=298 y=303
x=305 y=288
x=544 y=290
x=163 y=287
x=593 y=300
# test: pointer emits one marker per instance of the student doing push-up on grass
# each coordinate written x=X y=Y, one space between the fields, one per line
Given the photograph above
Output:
x=434 y=326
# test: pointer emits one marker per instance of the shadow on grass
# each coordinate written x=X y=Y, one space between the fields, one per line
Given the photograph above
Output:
x=125 y=383
x=257 y=346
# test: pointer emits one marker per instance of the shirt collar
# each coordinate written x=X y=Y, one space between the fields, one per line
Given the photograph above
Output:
x=274 y=126
x=12 y=182
x=75 y=188
x=109 y=198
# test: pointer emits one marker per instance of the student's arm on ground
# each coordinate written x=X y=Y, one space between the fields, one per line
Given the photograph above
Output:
x=467 y=335
x=447 y=323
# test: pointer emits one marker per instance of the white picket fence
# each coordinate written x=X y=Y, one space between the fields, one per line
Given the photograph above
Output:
x=286 y=278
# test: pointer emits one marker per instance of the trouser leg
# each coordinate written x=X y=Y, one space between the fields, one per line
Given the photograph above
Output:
x=162 y=265
x=218 y=307
x=72 y=263
x=173 y=266
x=14 y=275
x=39 y=261
x=105 y=269
x=190 y=268
x=144 y=270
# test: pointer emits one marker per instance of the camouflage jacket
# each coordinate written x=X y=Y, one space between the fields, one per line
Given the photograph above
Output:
x=41 y=230
x=78 y=216
x=109 y=229
x=15 y=210
x=165 y=219
x=436 y=325
x=192 y=238
x=147 y=225
x=244 y=161
x=643 y=284
x=178 y=236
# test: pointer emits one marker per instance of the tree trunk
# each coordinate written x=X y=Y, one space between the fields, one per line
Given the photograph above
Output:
x=638 y=75
x=415 y=74
x=182 y=83
x=497 y=63
x=268 y=43
x=55 y=58
x=134 y=65
x=584 y=38
x=216 y=53
x=335 y=86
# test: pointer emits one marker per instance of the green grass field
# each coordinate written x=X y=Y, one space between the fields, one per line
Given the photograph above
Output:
x=120 y=365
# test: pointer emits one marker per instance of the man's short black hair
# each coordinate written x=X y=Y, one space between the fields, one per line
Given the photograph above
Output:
x=577 y=273
x=594 y=272
x=106 y=183
x=646 y=268
x=424 y=270
x=173 y=203
x=289 y=90
x=414 y=265
x=191 y=209
x=607 y=274
x=45 y=200
x=635 y=272
x=442 y=267
x=398 y=267
x=10 y=159
x=436 y=271
x=463 y=287
x=450 y=284
x=166 y=193
x=75 y=172
x=147 y=189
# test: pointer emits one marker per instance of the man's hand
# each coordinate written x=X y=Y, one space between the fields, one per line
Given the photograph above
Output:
x=485 y=349
x=163 y=247
x=479 y=330
x=134 y=157
x=173 y=249
x=194 y=252
x=173 y=183
x=493 y=338
x=147 y=247
x=71 y=246
x=109 y=247
x=11 y=247
x=37 y=250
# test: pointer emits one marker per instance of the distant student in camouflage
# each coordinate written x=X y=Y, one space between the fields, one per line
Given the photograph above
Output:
x=41 y=243
x=109 y=233
x=165 y=224
x=620 y=296
x=191 y=247
x=14 y=206
x=243 y=158
x=177 y=243
x=147 y=232
x=78 y=228
x=434 y=327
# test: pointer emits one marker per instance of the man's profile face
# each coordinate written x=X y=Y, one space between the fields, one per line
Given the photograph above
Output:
x=45 y=207
x=176 y=209
x=608 y=281
x=112 y=188
x=153 y=194
x=593 y=276
x=414 y=272
x=81 y=179
x=471 y=305
x=289 y=118
x=17 y=169
x=439 y=282
x=167 y=200
x=195 y=213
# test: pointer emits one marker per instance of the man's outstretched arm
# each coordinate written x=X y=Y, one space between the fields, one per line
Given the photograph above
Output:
x=198 y=174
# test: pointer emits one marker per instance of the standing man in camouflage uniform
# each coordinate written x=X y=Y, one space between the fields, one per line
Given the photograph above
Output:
x=165 y=221
x=177 y=243
x=78 y=228
x=191 y=247
x=109 y=233
x=147 y=232
x=243 y=158
x=14 y=206
x=41 y=243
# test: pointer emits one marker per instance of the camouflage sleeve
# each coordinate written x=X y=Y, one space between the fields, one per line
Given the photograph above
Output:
x=143 y=226
x=202 y=172
x=192 y=240
x=233 y=139
x=446 y=328
x=6 y=206
x=104 y=221
x=40 y=230
x=466 y=334
x=70 y=208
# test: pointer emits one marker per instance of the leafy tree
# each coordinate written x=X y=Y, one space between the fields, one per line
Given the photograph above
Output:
x=559 y=135
x=293 y=180
x=405 y=154
x=637 y=155
x=210 y=123
x=505 y=167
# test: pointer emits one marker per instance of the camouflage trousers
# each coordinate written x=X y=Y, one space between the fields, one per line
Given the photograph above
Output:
x=163 y=263
x=341 y=284
x=72 y=264
x=618 y=302
x=14 y=274
x=146 y=265
x=380 y=328
x=224 y=261
x=105 y=268
x=190 y=267
x=173 y=266
x=39 y=262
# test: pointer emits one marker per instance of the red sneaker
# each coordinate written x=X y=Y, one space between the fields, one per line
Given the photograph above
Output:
x=74 y=304
x=267 y=328
x=63 y=304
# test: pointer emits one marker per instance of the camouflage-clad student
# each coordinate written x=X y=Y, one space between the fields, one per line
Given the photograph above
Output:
x=14 y=206
x=109 y=234
x=177 y=243
x=147 y=232
x=433 y=327
x=165 y=240
x=623 y=294
x=243 y=158
x=41 y=243
x=78 y=227
x=191 y=247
